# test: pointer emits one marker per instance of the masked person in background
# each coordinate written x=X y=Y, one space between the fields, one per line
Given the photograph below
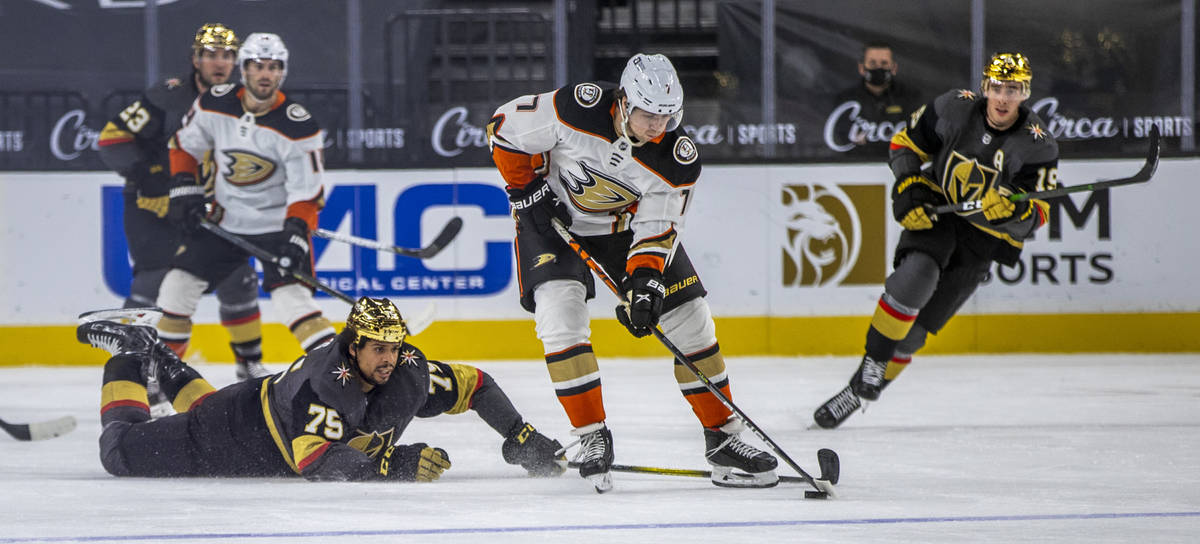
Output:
x=883 y=104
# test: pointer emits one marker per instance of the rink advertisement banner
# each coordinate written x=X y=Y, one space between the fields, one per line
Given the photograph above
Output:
x=768 y=241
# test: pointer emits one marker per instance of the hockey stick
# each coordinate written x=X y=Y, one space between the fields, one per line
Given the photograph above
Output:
x=821 y=486
x=1141 y=176
x=439 y=243
x=414 y=325
x=661 y=471
x=41 y=430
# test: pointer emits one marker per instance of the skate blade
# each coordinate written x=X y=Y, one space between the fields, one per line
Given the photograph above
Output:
x=727 y=478
x=602 y=482
x=129 y=316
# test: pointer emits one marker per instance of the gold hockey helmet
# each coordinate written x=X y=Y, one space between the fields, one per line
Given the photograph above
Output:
x=376 y=319
x=1008 y=67
x=214 y=36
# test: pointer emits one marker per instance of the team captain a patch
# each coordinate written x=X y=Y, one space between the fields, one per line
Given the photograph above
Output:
x=587 y=94
x=685 y=150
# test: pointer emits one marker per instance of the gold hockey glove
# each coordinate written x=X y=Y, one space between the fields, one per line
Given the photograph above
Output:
x=413 y=463
x=996 y=205
x=910 y=197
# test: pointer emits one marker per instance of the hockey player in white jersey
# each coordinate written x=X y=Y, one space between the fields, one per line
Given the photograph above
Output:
x=612 y=163
x=267 y=152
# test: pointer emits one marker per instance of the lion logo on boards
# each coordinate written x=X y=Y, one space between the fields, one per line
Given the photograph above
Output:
x=542 y=260
x=685 y=150
x=596 y=192
x=297 y=113
x=588 y=94
x=371 y=444
x=966 y=179
x=222 y=89
x=246 y=168
x=836 y=234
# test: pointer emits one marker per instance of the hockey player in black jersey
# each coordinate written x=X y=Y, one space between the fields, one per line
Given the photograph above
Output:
x=336 y=413
x=134 y=144
x=978 y=148
x=613 y=164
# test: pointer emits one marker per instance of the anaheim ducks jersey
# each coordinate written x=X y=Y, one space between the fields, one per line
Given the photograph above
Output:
x=326 y=427
x=567 y=136
x=267 y=167
x=968 y=158
x=136 y=137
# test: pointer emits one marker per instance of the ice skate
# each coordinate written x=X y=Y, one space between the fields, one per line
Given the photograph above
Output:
x=837 y=409
x=595 y=455
x=726 y=452
x=120 y=331
x=251 y=370
x=534 y=451
x=868 y=381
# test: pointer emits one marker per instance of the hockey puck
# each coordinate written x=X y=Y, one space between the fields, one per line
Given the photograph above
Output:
x=816 y=495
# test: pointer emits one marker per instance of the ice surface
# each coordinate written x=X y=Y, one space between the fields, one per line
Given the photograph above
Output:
x=1020 y=448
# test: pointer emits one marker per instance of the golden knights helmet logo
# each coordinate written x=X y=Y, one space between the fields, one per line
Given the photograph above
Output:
x=596 y=192
x=246 y=168
x=965 y=179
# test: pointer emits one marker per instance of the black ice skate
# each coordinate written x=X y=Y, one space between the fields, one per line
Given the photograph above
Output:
x=120 y=331
x=595 y=455
x=726 y=452
x=868 y=381
x=251 y=370
x=534 y=451
x=837 y=409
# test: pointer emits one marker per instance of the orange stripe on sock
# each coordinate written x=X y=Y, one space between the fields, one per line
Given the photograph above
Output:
x=709 y=409
x=584 y=408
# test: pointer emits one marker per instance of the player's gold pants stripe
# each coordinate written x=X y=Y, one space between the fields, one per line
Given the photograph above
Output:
x=244 y=332
x=312 y=329
x=891 y=322
x=265 y=402
x=123 y=393
x=190 y=396
x=572 y=364
x=707 y=407
x=467 y=378
x=712 y=365
x=175 y=327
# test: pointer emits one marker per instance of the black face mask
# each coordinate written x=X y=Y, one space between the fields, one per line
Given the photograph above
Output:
x=878 y=76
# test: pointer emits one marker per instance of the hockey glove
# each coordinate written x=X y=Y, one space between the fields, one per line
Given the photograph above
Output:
x=293 y=244
x=910 y=198
x=534 y=451
x=997 y=208
x=644 y=293
x=187 y=202
x=535 y=206
x=413 y=463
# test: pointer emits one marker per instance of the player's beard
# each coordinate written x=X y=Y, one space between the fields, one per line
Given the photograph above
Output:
x=254 y=92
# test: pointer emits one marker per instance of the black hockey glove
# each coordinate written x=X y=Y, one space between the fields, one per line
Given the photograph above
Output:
x=534 y=451
x=187 y=202
x=413 y=463
x=293 y=244
x=644 y=293
x=911 y=196
x=535 y=205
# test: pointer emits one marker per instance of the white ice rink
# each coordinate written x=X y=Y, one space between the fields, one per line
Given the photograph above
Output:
x=1024 y=448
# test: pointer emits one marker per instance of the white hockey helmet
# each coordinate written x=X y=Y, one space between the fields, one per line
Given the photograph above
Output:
x=263 y=45
x=651 y=83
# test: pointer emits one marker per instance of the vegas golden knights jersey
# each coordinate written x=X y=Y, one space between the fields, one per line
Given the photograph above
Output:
x=967 y=158
x=266 y=167
x=567 y=136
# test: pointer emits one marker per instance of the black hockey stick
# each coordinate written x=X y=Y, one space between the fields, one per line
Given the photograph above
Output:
x=439 y=243
x=414 y=324
x=821 y=486
x=1141 y=176
x=829 y=473
x=41 y=430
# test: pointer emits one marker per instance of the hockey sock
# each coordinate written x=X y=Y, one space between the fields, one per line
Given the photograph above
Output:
x=889 y=326
x=123 y=395
x=175 y=331
x=576 y=377
x=707 y=407
x=245 y=332
x=312 y=330
x=894 y=367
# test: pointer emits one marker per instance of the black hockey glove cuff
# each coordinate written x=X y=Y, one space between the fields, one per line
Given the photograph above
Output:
x=534 y=451
x=915 y=191
x=413 y=463
x=644 y=293
x=535 y=205
x=187 y=202
x=293 y=244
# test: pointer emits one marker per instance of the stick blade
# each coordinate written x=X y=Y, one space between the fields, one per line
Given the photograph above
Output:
x=831 y=466
x=40 y=431
x=443 y=239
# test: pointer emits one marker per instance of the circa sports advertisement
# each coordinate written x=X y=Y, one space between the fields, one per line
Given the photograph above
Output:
x=767 y=241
